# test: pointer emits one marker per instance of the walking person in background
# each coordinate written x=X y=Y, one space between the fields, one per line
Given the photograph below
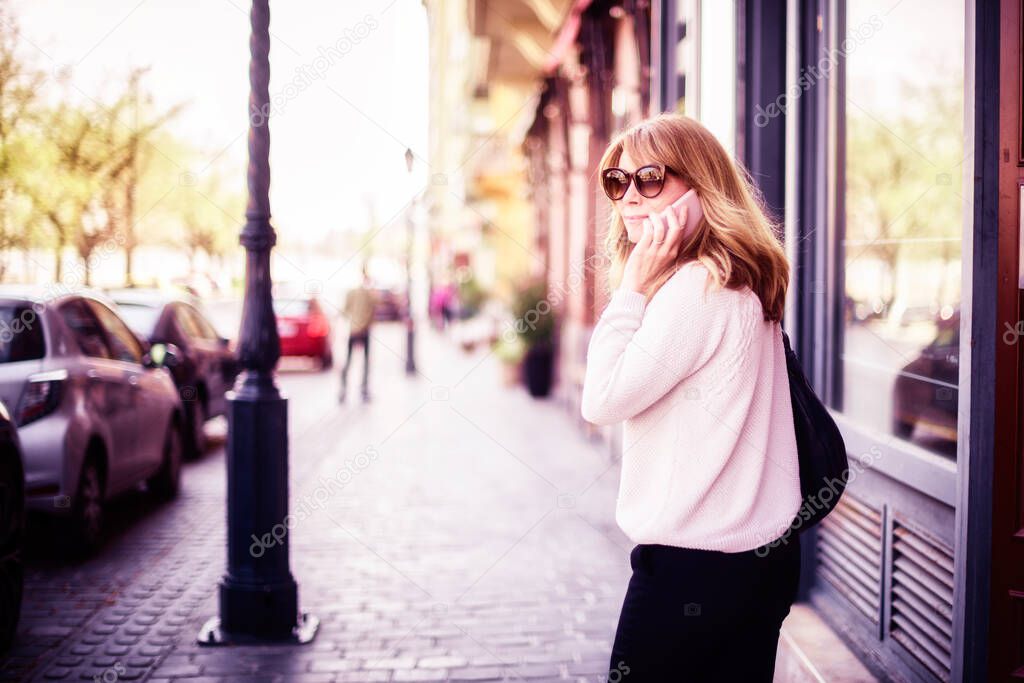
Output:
x=360 y=303
x=440 y=310
x=688 y=354
x=449 y=303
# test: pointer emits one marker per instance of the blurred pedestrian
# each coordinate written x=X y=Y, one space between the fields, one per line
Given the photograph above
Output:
x=688 y=355
x=449 y=303
x=360 y=303
x=437 y=295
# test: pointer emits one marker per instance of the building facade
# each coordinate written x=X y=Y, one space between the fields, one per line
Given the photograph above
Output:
x=886 y=138
x=487 y=64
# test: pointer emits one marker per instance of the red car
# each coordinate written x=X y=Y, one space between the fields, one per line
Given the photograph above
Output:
x=303 y=328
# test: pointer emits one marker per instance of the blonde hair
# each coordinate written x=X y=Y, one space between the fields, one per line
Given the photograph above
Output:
x=735 y=240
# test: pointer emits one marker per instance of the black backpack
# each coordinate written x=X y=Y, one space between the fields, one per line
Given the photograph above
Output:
x=824 y=467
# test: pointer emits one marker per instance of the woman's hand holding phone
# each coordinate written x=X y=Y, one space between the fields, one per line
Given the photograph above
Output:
x=659 y=244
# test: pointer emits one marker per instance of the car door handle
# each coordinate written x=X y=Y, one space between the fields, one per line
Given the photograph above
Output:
x=91 y=373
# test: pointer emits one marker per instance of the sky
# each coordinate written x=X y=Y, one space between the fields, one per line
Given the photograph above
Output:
x=359 y=75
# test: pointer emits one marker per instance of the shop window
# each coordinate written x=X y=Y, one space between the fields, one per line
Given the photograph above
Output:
x=680 y=56
x=902 y=218
x=717 y=87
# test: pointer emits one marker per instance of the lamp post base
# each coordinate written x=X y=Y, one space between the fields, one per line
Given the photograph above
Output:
x=213 y=635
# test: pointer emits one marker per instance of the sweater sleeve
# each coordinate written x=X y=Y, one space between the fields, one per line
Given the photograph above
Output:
x=640 y=350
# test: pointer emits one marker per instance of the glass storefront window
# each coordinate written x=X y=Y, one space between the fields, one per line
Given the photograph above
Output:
x=717 y=87
x=903 y=219
x=681 y=43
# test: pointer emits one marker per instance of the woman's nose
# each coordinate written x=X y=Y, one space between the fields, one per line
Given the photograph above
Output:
x=632 y=196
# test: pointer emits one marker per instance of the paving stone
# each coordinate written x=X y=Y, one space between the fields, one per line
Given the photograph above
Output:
x=335 y=665
x=180 y=671
x=443 y=662
x=362 y=677
x=52 y=630
x=69 y=661
x=478 y=673
x=142 y=662
x=390 y=663
x=420 y=675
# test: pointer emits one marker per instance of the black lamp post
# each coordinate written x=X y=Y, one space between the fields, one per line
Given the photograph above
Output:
x=258 y=596
x=410 y=323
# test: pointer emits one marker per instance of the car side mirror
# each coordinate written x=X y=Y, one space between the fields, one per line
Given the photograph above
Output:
x=161 y=355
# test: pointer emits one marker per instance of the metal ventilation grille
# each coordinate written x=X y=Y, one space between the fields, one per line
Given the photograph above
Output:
x=849 y=554
x=922 y=598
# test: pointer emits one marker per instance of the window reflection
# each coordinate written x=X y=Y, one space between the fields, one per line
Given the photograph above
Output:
x=903 y=218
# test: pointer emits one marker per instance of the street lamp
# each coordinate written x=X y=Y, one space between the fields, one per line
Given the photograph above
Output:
x=410 y=323
x=258 y=596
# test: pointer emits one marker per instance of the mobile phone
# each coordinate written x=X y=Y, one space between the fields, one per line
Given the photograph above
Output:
x=694 y=210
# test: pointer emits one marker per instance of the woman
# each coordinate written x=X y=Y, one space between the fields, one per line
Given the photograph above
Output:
x=688 y=354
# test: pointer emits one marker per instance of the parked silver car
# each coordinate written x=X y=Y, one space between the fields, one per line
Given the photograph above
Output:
x=12 y=528
x=97 y=412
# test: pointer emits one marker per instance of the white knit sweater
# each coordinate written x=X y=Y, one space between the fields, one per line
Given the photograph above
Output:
x=699 y=378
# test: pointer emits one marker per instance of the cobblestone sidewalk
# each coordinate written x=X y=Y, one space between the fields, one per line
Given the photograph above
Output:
x=451 y=529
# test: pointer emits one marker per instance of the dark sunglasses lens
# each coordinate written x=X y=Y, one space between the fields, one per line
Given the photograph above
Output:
x=649 y=181
x=615 y=183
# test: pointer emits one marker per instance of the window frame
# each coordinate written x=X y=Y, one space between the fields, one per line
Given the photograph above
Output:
x=185 y=321
x=904 y=480
x=95 y=305
x=81 y=303
x=36 y=327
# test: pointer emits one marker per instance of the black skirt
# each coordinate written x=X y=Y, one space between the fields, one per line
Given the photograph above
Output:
x=704 y=615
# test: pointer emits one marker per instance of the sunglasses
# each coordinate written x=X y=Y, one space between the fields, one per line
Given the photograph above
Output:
x=649 y=180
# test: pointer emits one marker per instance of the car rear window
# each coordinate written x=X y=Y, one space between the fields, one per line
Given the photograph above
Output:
x=140 y=317
x=21 y=334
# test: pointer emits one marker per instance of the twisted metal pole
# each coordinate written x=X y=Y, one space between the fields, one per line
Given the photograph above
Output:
x=258 y=595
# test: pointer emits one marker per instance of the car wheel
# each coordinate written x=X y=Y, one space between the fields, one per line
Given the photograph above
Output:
x=12 y=536
x=87 y=507
x=197 y=431
x=167 y=481
x=327 y=361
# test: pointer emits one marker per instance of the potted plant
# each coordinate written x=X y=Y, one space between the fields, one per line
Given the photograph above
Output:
x=535 y=326
x=510 y=350
x=471 y=296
